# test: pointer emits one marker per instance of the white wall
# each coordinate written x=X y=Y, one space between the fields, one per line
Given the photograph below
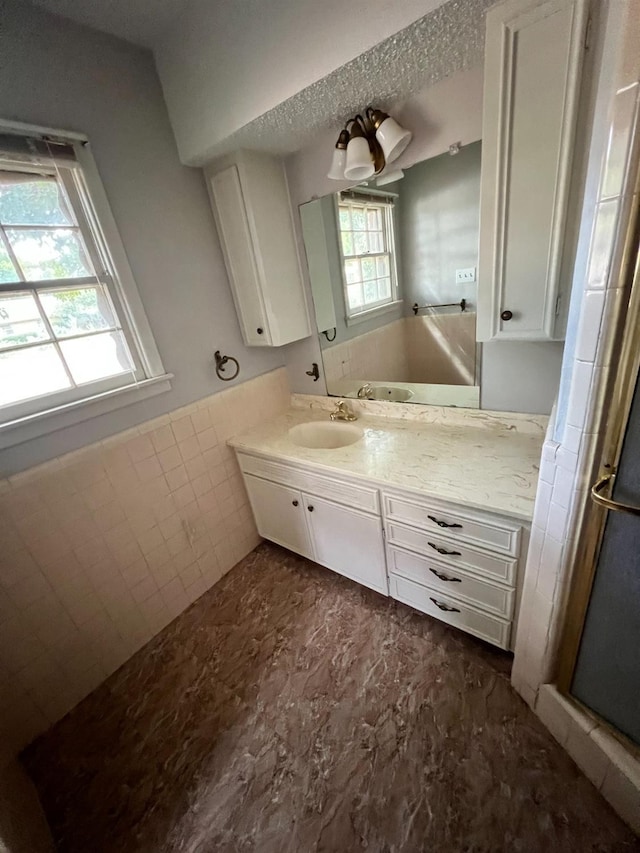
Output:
x=450 y=111
x=59 y=74
x=224 y=64
x=520 y=376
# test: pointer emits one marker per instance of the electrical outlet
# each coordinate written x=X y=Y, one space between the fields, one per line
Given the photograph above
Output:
x=465 y=276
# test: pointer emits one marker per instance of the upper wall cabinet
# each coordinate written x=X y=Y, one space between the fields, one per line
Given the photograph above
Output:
x=250 y=200
x=533 y=66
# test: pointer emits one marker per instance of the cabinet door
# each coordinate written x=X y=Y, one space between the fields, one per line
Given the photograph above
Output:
x=279 y=513
x=266 y=195
x=348 y=541
x=239 y=255
x=533 y=64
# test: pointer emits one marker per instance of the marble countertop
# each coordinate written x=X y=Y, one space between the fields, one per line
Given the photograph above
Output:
x=488 y=461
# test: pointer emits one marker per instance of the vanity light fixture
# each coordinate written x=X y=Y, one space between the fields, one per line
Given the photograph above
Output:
x=366 y=145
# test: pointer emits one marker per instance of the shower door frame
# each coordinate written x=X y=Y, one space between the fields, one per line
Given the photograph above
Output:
x=620 y=383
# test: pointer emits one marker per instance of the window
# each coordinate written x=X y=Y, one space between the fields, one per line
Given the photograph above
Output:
x=366 y=240
x=65 y=328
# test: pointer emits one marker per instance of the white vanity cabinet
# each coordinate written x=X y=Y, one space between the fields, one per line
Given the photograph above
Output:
x=348 y=541
x=337 y=526
x=280 y=514
x=251 y=207
x=457 y=564
x=533 y=63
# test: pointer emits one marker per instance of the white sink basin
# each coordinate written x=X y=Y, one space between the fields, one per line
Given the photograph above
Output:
x=325 y=435
x=389 y=393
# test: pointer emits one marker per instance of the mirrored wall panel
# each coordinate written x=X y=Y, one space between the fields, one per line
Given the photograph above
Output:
x=393 y=275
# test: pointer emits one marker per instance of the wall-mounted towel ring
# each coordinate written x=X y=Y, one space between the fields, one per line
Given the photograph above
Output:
x=221 y=361
x=313 y=372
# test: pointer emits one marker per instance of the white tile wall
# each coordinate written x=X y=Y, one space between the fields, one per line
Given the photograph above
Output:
x=104 y=547
x=565 y=467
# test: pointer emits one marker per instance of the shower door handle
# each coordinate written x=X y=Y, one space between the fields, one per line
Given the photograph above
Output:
x=605 y=501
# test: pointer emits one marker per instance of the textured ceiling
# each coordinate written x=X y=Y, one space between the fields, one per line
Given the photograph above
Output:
x=138 y=21
x=446 y=41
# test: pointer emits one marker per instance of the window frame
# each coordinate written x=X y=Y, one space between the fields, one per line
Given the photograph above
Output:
x=387 y=209
x=37 y=416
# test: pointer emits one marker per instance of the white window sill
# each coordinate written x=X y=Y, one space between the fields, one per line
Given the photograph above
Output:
x=374 y=312
x=59 y=417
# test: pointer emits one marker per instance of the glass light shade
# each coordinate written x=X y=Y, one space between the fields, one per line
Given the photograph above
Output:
x=389 y=176
x=336 y=172
x=393 y=139
x=359 y=164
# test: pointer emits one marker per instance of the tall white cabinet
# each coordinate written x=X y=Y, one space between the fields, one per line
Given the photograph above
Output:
x=533 y=65
x=251 y=207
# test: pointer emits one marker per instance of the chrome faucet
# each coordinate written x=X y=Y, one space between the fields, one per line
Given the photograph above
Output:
x=342 y=412
x=365 y=391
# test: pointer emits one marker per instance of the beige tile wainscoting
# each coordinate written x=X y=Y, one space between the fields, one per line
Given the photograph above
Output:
x=438 y=348
x=103 y=547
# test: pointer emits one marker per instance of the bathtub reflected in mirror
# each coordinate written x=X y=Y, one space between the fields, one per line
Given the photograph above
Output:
x=393 y=277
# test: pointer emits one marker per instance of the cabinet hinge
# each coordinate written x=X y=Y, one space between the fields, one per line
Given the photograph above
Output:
x=384 y=533
x=558 y=302
x=587 y=33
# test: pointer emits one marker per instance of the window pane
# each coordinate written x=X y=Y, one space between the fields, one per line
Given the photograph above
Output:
x=347 y=243
x=358 y=218
x=7 y=269
x=382 y=266
x=376 y=243
x=32 y=201
x=354 y=296
x=368 y=268
x=352 y=271
x=50 y=254
x=373 y=220
x=361 y=243
x=78 y=310
x=370 y=292
x=20 y=320
x=345 y=218
x=31 y=372
x=384 y=288
x=96 y=357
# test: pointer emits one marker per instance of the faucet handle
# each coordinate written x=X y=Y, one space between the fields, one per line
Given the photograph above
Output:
x=342 y=412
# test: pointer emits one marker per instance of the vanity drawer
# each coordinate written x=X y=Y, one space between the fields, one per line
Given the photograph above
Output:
x=359 y=497
x=489 y=628
x=480 y=593
x=468 y=526
x=458 y=554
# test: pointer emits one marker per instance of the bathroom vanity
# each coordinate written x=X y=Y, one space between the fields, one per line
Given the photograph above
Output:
x=433 y=510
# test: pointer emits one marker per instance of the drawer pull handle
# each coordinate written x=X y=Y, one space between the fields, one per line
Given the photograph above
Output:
x=295 y=503
x=443 y=577
x=444 y=606
x=442 y=523
x=444 y=550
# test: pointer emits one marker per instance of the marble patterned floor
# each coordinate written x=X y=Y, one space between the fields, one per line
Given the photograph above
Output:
x=290 y=711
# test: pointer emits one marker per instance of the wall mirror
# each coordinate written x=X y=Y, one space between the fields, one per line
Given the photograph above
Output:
x=392 y=266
